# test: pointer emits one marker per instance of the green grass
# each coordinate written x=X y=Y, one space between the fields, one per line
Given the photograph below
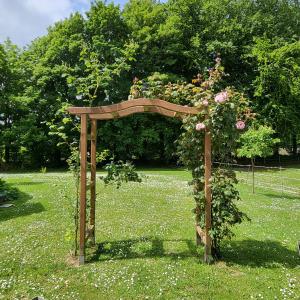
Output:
x=146 y=243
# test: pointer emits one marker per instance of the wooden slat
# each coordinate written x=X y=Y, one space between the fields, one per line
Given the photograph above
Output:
x=83 y=165
x=93 y=177
x=207 y=175
x=132 y=103
x=134 y=110
x=105 y=116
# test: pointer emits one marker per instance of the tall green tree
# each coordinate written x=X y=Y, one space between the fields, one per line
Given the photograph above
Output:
x=257 y=142
x=277 y=88
x=13 y=107
x=92 y=60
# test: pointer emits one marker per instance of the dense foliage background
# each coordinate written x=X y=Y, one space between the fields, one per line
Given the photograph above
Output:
x=92 y=60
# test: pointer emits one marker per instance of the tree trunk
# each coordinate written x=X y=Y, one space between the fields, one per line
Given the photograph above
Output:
x=294 y=144
x=7 y=154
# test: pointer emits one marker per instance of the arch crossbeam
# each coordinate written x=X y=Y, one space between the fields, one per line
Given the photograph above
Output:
x=130 y=107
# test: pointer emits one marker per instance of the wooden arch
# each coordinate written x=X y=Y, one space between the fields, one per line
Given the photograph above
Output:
x=120 y=110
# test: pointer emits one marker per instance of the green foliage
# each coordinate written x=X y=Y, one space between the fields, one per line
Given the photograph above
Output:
x=160 y=86
x=8 y=191
x=220 y=118
x=43 y=170
x=257 y=142
x=118 y=172
x=92 y=59
x=101 y=157
x=140 y=137
x=74 y=167
x=74 y=161
x=224 y=210
x=220 y=112
x=277 y=86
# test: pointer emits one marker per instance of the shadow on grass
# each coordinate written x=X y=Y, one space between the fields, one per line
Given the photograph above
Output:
x=254 y=253
x=282 y=195
x=144 y=247
x=28 y=183
x=20 y=207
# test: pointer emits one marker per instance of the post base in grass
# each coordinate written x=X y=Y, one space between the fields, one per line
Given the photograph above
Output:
x=81 y=260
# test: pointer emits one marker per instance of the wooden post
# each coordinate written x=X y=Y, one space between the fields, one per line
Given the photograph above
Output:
x=83 y=164
x=93 y=178
x=208 y=242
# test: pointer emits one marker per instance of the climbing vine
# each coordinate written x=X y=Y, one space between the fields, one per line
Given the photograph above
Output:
x=74 y=167
x=225 y=113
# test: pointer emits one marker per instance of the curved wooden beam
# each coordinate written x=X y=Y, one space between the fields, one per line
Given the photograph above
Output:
x=129 y=107
x=137 y=109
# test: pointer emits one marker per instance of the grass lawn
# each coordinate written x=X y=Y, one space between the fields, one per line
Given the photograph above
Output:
x=146 y=243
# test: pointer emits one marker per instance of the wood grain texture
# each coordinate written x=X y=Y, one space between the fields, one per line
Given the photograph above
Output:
x=207 y=175
x=137 y=109
x=93 y=178
x=83 y=169
x=115 y=110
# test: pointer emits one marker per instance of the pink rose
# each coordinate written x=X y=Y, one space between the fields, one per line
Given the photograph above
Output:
x=200 y=126
x=221 y=97
x=205 y=102
x=240 y=125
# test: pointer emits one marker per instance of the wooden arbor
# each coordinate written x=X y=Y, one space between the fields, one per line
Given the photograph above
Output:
x=120 y=110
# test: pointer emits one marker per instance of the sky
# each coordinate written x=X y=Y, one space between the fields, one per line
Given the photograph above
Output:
x=24 y=20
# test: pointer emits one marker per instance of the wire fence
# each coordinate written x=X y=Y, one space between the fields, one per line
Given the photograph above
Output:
x=277 y=179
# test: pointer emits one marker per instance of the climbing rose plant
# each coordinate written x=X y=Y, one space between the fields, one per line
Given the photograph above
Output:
x=225 y=113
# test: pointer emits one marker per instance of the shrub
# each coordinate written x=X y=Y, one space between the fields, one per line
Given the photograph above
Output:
x=7 y=192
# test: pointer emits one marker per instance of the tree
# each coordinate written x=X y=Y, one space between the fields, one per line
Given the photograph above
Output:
x=92 y=60
x=257 y=142
x=12 y=104
x=145 y=19
x=277 y=88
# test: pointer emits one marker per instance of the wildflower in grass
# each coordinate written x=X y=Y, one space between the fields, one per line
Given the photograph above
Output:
x=240 y=125
x=221 y=97
x=200 y=126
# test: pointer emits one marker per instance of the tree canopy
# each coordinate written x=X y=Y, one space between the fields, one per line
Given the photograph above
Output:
x=92 y=59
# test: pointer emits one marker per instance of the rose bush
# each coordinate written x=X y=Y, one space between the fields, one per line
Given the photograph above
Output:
x=225 y=113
